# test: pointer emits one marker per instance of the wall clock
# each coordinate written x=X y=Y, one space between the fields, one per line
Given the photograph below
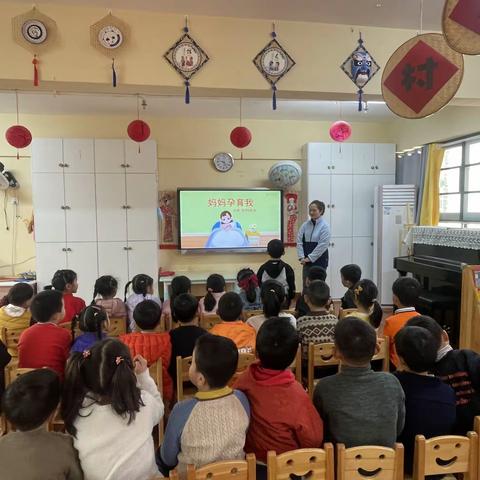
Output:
x=223 y=162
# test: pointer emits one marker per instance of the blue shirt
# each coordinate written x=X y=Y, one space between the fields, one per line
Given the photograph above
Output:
x=85 y=341
x=319 y=233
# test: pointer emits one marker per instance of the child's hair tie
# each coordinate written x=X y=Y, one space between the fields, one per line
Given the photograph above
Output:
x=118 y=360
x=210 y=290
x=272 y=290
x=358 y=290
x=86 y=353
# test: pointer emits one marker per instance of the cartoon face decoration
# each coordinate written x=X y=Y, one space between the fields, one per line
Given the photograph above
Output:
x=34 y=31
x=446 y=455
x=110 y=37
x=361 y=66
x=226 y=217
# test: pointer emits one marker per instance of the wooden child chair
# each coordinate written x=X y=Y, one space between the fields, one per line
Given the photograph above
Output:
x=320 y=355
x=10 y=339
x=117 y=327
x=251 y=313
x=207 y=321
x=183 y=365
x=315 y=463
x=342 y=313
x=445 y=455
x=384 y=353
x=362 y=463
x=156 y=370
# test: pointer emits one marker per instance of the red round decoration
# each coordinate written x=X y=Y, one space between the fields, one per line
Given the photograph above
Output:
x=340 y=131
x=138 y=130
x=240 y=137
x=18 y=136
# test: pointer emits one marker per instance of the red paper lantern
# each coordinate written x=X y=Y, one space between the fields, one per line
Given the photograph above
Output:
x=240 y=137
x=18 y=136
x=340 y=131
x=138 y=130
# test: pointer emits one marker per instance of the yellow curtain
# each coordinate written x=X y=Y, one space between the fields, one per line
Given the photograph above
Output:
x=430 y=210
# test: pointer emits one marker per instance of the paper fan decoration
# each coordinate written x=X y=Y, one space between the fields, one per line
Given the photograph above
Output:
x=187 y=58
x=461 y=25
x=109 y=36
x=273 y=62
x=360 y=67
x=421 y=76
x=35 y=32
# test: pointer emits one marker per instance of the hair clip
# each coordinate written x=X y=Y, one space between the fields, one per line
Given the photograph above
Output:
x=210 y=290
x=272 y=290
x=358 y=290
x=118 y=360
x=86 y=353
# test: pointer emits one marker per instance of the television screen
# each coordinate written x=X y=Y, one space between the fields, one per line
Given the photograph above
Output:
x=229 y=219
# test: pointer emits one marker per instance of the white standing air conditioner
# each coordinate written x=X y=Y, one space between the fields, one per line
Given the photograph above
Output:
x=393 y=218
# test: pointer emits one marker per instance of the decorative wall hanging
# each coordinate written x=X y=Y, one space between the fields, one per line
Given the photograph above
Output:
x=421 y=76
x=461 y=25
x=187 y=58
x=240 y=136
x=285 y=174
x=17 y=135
x=35 y=32
x=109 y=36
x=273 y=62
x=167 y=212
x=360 y=67
x=138 y=130
x=340 y=131
x=291 y=209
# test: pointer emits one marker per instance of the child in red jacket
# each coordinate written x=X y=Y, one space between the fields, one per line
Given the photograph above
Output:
x=149 y=343
x=283 y=417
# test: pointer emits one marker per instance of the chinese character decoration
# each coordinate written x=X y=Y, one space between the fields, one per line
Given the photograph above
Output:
x=167 y=213
x=360 y=67
x=187 y=58
x=35 y=32
x=291 y=209
x=421 y=76
x=461 y=25
x=273 y=62
x=109 y=36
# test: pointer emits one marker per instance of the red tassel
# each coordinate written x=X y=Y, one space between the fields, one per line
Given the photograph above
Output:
x=35 y=71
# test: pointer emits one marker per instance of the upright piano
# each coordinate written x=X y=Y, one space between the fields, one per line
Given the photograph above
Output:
x=439 y=268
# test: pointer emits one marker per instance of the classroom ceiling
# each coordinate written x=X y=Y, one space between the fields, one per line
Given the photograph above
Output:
x=174 y=106
x=380 y=13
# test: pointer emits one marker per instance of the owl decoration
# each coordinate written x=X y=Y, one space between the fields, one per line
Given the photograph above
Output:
x=360 y=67
x=109 y=36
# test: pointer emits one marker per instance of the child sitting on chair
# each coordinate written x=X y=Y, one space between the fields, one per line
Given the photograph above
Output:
x=350 y=275
x=211 y=426
x=283 y=417
x=149 y=343
x=106 y=286
x=33 y=452
x=314 y=273
x=92 y=321
x=230 y=310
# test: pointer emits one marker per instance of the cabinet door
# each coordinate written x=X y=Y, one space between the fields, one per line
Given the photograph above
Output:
x=340 y=254
x=319 y=188
x=363 y=255
x=363 y=199
x=143 y=258
x=341 y=206
x=142 y=158
x=109 y=156
x=50 y=257
x=113 y=260
x=342 y=158
x=80 y=201
x=78 y=155
x=47 y=155
x=385 y=158
x=142 y=220
x=319 y=158
x=48 y=205
x=82 y=259
x=111 y=203
x=363 y=158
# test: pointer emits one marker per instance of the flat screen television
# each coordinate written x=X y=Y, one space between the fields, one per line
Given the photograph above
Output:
x=229 y=220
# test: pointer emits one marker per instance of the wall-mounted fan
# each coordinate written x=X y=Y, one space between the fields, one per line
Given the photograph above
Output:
x=7 y=179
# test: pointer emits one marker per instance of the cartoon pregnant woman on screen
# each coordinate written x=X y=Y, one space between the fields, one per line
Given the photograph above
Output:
x=226 y=233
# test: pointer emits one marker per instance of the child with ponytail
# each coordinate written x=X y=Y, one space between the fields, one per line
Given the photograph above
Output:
x=66 y=282
x=92 y=321
x=180 y=285
x=215 y=290
x=249 y=290
x=368 y=308
x=106 y=286
x=142 y=286
x=110 y=405
x=273 y=297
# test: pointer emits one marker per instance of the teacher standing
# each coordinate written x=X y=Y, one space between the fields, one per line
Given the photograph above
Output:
x=313 y=239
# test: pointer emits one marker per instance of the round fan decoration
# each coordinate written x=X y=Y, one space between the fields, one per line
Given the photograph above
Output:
x=340 y=131
x=240 y=137
x=285 y=174
x=138 y=130
x=18 y=136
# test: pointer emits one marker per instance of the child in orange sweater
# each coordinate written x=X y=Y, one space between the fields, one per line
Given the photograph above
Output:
x=230 y=309
x=149 y=343
x=406 y=291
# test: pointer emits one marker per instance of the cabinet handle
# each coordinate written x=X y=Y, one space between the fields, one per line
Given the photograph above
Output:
x=371 y=205
x=371 y=244
x=64 y=249
x=126 y=207
x=125 y=165
x=372 y=167
x=65 y=207
x=333 y=244
x=328 y=167
x=127 y=248
x=376 y=167
x=333 y=205
x=328 y=206
x=66 y=165
x=61 y=165
x=69 y=249
x=333 y=167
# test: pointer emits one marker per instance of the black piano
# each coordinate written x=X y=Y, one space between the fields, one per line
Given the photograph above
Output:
x=439 y=270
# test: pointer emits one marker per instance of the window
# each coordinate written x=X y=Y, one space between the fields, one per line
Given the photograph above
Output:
x=460 y=185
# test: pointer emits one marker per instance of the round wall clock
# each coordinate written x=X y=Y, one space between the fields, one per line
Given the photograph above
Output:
x=223 y=162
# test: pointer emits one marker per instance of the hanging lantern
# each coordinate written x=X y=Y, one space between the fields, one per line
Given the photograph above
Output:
x=18 y=136
x=138 y=130
x=340 y=131
x=240 y=137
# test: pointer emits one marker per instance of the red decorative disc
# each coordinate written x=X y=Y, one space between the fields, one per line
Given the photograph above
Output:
x=18 y=136
x=138 y=130
x=340 y=131
x=240 y=137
